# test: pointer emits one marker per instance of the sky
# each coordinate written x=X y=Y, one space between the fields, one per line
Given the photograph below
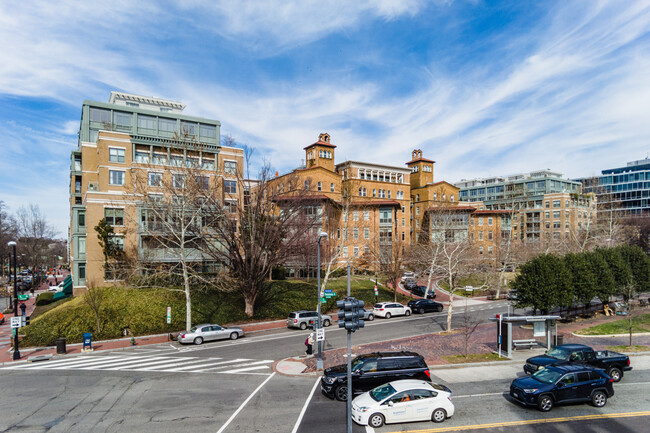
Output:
x=484 y=88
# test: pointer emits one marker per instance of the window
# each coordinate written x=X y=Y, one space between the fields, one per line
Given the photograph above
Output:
x=332 y=187
x=403 y=222
x=176 y=160
x=203 y=182
x=118 y=242
x=480 y=236
x=81 y=219
x=480 y=221
x=188 y=128
x=147 y=122
x=355 y=233
x=480 y=250
x=547 y=214
x=115 y=177
x=388 y=193
x=366 y=233
x=166 y=125
x=489 y=249
x=114 y=216
x=452 y=198
x=566 y=203
x=366 y=249
x=178 y=180
x=319 y=186
x=355 y=215
x=385 y=217
x=123 y=119
x=192 y=162
x=230 y=206
x=417 y=197
x=155 y=179
x=82 y=271
x=230 y=186
x=556 y=214
x=366 y=215
x=230 y=167
x=417 y=210
x=345 y=252
x=306 y=185
x=490 y=235
x=356 y=251
x=207 y=131
x=100 y=115
x=374 y=193
x=159 y=158
x=207 y=164
x=82 y=246
x=115 y=155
x=142 y=157
x=489 y=221
x=556 y=203
x=132 y=104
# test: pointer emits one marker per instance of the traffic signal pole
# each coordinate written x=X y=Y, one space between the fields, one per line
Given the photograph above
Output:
x=349 y=411
x=351 y=318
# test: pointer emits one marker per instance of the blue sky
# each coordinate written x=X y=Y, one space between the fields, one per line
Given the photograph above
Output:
x=482 y=87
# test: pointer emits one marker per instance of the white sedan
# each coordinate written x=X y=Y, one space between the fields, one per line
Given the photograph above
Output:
x=58 y=288
x=403 y=401
x=388 y=309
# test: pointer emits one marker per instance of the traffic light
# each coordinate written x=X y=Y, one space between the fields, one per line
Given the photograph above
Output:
x=350 y=314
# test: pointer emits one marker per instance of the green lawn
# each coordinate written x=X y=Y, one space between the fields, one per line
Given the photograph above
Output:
x=629 y=349
x=640 y=324
x=144 y=311
x=473 y=357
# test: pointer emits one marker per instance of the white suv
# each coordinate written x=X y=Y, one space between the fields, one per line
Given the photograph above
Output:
x=388 y=309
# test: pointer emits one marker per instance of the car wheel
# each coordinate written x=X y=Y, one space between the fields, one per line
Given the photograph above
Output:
x=234 y=336
x=421 y=311
x=303 y=326
x=198 y=340
x=439 y=415
x=341 y=393
x=371 y=317
x=615 y=374
x=326 y=323
x=376 y=420
x=407 y=313
x=545 y=403
x=387 y=315
x=599 y=399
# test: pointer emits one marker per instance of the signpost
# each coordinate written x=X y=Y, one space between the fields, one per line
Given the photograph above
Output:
x=169 y=315
x=320 y=334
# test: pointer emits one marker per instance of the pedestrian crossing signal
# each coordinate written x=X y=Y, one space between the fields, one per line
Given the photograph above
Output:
x=24 y=321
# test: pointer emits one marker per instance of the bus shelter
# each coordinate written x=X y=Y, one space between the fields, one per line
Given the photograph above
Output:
x=543 y=326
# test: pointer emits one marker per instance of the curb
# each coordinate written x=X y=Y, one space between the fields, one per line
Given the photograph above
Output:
x=639 y=334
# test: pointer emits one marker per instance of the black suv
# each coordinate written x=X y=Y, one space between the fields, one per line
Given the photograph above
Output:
x=563 y=384
x=371 y=370
x=419 y=291
x=425 y=306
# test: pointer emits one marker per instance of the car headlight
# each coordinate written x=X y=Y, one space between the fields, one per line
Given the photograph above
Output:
x=329 y=380
x=363 y=408
x=530 y=390
x=540 y=367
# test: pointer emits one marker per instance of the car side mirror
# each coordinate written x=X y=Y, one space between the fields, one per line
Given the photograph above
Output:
x=359 y=372
x=391 y=404
x=561 y=384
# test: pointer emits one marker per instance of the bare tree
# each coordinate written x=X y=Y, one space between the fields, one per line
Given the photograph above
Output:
x=94 y=298
x=445 y=249
x=469 y=325
x=8 y=232
x=35 y=235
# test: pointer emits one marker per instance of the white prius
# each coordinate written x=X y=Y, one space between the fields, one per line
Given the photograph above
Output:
x=403 y=401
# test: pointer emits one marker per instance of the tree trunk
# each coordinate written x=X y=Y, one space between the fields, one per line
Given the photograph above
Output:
x=395 y=290
x=249 y=301
x=188 y=299
x=451 y=303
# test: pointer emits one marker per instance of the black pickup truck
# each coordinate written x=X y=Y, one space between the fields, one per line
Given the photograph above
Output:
x=613 y=363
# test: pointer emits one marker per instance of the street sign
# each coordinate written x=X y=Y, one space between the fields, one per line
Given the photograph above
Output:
x=328 y=290
x=323 y=300
x=23 y=297
x=16 y=322
x=330 y=294
x=320 y=334
x=169 y=315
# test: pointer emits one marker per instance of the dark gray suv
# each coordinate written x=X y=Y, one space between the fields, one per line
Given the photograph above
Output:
x=303 y=318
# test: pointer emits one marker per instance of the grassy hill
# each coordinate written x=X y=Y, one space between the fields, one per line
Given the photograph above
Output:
x=144 y=311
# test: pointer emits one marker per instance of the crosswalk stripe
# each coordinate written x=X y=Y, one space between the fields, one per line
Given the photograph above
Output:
x=174 y=364
x=122 y=363
x=95 y=361
x=190 y=367
x=49 y=364
x=242 y=370
x=249 y=364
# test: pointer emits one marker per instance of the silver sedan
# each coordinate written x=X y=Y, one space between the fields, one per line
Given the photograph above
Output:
x=199 y=334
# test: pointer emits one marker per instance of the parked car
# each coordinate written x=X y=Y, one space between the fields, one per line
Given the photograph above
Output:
x=368 y=315
x=202 y=333
x=512 y=295
x=420 y=290
x=403 y=401
x=303 y=318
x=408 y=275
x=389 y=309
x=424 y=306
x=563 y=384
x=409 y=283
x=613 y=363
x=371 y=370
x=56 y=288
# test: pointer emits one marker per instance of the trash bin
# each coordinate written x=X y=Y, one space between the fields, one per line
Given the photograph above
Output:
x=560 y=339
x=60 y=345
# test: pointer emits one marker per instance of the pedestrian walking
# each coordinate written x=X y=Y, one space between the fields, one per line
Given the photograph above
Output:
x=309 y=343
x=23 y=307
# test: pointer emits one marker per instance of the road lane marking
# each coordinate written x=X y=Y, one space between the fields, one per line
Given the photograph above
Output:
x=530 y=422
x=242 y=370
x=232 y=417
x=478 y=395
x=304 y=407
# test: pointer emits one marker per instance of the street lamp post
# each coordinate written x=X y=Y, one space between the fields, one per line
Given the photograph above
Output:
x=16 y=351
x=319 y=361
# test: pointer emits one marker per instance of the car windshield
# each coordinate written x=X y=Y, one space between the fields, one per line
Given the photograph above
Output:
x=558 y=353
x=547 y=376
x=357 y=362
x=381 y=392
x=194 y=328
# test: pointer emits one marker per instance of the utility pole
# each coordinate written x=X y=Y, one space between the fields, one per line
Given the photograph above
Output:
x=351 y=318
x=16 y=351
